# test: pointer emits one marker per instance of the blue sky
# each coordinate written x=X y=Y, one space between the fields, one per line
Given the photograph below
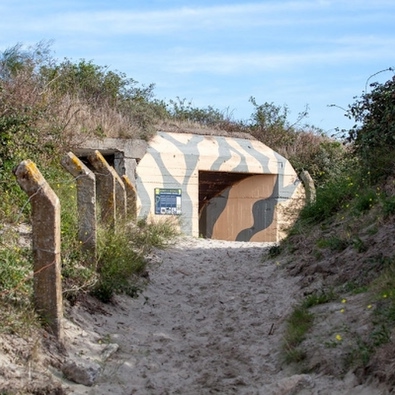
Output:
x=220 y=53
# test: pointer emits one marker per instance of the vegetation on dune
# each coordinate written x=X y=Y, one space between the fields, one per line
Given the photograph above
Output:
x=47 y=107
x=342 y=243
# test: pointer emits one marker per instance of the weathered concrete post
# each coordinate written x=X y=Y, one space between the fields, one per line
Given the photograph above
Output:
x=46 y=245
x=131 y=197
x=120 y=196
x=86 y=202
x=111 y=193
x=309 y=186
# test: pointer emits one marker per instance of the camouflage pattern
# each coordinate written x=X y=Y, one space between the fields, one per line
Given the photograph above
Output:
x=251 y=209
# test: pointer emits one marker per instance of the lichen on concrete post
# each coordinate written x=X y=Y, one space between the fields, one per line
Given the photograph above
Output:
x=46 y=245
x=309 y=186
x=86 y=202
x=131 y=198
x=105 y=187
x=110 y=189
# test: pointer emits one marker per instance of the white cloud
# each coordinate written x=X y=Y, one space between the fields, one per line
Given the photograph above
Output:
x=262 y=20
x=238 y=62
x=129 y=21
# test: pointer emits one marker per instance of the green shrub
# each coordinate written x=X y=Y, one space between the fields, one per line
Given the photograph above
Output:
x=153 y=234
x=359 y=245
x=323 y=157
x=13 y=207
x=365 y=200
x=122 y=255
x=331 y=198
x=118 y=260
x=16 y=286
x=359 y=355
x=298 y=324
x=384 y=290
x=274 y=251
x=320 y=297
x=374 y=130
x=183 y=110
x=334 y=243
x=388 y=204
x=354 y=287
x=15 y=271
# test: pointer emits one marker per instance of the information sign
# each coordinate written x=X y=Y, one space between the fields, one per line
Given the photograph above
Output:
x=167 y=201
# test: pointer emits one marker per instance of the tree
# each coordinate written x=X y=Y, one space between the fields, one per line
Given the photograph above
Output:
x=373 y=135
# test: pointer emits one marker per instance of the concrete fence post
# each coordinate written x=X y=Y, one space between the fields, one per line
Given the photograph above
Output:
x=120 y=196
x=86 y=202
x=131 y=197
x=309 y=186
x=110 y=189
x=46 y=245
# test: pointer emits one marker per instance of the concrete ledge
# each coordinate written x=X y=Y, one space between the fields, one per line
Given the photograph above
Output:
x=132 y=149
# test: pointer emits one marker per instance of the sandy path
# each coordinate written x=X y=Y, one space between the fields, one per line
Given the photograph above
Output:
x=210 y=322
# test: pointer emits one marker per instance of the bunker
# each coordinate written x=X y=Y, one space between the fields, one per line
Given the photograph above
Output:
x=219 y=187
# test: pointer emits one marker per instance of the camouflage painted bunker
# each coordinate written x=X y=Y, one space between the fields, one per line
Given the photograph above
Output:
x=221 y=187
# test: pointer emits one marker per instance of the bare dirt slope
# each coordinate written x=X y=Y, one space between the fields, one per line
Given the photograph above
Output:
x=210 y=321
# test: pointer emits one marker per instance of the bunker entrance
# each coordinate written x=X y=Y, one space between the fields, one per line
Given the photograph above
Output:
x=211 y=184
x=237 y=206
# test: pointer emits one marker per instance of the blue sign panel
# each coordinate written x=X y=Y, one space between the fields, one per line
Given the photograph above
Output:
x=167 y=201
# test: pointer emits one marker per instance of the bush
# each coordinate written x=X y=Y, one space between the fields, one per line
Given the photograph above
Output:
x=365 y=201
x=374 y=131
x=307 y=148
x=15 y=271
x=154 y=234
x=122 y=255
x=331 y=198
x=323 y=157
x=269 y=125
x=16 y=285
x=388 y=204
x=118 y=260
x=298 y=324
x=319 y=297
x=182 y=110
x=334 y=243
x=96 y=87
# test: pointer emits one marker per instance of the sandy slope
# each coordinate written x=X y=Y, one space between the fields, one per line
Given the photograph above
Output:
x=209 y=322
